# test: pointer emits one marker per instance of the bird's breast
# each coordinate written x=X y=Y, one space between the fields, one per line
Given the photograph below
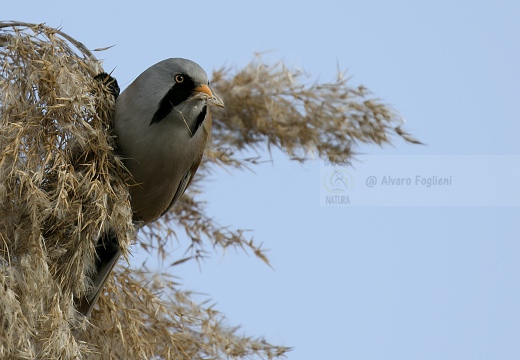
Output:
x=158 y=161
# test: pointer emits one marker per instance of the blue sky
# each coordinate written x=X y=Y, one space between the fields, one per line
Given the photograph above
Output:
x=351 y=282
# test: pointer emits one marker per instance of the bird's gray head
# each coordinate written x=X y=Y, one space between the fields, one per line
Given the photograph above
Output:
x=168 y=69
x=166 y=86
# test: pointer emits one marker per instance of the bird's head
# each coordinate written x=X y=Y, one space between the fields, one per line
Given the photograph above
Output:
x=182 y=85
x=171 y=89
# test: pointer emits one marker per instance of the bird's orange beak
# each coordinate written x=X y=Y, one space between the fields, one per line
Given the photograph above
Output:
x=213 y=99
x=204 y=89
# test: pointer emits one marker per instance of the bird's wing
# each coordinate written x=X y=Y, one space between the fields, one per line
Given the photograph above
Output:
x=183 y=185
x=188 y=177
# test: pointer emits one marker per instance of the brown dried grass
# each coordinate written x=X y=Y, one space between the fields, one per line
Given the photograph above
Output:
x=61 y=186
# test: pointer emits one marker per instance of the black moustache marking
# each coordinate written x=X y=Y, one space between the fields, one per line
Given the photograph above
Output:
x=173 y=97
x=200 y=119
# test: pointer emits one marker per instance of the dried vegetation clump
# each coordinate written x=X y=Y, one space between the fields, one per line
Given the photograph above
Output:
x=61 y=186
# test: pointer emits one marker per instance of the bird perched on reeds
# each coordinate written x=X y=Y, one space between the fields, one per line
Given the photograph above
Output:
x=162 y=123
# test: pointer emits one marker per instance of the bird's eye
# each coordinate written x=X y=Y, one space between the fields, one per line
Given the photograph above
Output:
x=179 y=79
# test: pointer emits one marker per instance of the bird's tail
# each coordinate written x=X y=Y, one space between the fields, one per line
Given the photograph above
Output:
x=107 y=253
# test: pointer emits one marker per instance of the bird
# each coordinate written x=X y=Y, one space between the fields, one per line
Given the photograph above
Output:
x=162 y=124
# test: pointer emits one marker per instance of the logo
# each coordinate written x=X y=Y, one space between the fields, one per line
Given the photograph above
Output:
x=337 y=181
